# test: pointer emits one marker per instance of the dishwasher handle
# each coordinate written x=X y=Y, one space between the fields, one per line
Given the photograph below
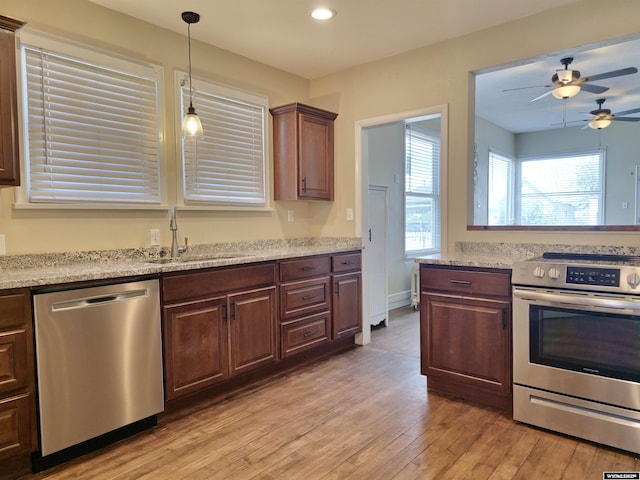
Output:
x=98 y=300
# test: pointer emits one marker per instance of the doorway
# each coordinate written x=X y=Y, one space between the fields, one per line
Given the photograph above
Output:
x=395 y=207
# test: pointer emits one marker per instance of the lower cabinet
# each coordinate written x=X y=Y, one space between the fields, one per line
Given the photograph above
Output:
x=465 y=333
x=222 y=322
x=347 y=294
x=217 y=324
x=18 y=436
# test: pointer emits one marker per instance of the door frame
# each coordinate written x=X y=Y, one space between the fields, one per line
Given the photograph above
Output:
x=362 y=188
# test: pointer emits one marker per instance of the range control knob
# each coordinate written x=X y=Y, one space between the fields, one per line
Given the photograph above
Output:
x=538 y=272
x=554 y=273
x=633 y=279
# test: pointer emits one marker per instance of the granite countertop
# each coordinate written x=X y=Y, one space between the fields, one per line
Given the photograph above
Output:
x=50 y=269
x=503 y=255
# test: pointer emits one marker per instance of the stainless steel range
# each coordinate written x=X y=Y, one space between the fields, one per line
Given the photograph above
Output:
x=576 y=346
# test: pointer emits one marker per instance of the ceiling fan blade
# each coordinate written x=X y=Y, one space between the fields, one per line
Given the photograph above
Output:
x=541 y=96
x=524 y=88
x=626 y=119
x=628 y=112
x=593 y=88
x=614 y=73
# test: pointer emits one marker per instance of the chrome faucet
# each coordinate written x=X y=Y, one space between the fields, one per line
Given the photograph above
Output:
x=176 y=249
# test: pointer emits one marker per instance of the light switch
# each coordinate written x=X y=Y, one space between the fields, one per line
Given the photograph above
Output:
x=349 y=214
x=291 y=216
x=154 y=235
x=3 y=246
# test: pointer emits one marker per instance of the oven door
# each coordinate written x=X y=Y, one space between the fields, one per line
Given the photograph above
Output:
x=582 y=344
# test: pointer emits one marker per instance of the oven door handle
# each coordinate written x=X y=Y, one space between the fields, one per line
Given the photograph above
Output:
x=582 y=302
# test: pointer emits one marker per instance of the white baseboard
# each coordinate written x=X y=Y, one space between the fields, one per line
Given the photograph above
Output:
x=399 y=300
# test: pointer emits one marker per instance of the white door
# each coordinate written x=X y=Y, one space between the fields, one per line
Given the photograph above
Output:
x=376 y=255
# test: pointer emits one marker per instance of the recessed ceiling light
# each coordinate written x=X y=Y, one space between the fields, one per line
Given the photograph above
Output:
x=323 y=13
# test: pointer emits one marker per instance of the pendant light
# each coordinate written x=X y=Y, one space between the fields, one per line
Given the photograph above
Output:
x=191 y=125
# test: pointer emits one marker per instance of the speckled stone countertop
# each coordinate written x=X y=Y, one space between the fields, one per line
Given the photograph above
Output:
x=55 y=268
x=503 y=255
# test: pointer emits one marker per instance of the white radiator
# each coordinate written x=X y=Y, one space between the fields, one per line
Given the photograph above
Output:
x=415 y=287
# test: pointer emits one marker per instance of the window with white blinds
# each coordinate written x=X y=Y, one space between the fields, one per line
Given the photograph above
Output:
x=565 y=189
x=422 y=191
x=226 y=167
x=500 y=202
x=92 y=127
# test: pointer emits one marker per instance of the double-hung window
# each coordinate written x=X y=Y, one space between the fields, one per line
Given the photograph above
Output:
x=422 y=191
x=226 y=168
x=91 y=124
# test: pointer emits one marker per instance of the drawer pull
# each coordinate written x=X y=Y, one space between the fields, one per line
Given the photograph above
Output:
x=346 y=263
x=307 y=334
x=308 y=297
x=306 y=269
x=460 y=282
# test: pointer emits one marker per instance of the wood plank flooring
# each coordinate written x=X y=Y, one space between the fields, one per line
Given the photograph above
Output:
x=364 y=414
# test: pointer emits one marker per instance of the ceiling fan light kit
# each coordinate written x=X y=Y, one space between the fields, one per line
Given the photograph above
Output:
x=599 y=124
x=565 y=91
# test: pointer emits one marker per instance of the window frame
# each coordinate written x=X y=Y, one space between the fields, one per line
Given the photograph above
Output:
x=106 y=60
x=181 y=79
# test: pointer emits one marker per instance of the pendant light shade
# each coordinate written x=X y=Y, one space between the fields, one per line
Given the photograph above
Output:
x=191 y=125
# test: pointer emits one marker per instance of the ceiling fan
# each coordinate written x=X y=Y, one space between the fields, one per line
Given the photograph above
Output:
x=602 y=117
x=567 y=83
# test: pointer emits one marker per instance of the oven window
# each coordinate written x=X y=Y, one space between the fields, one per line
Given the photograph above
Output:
x=596 y=343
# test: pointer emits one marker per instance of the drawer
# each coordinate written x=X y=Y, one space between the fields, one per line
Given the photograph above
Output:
x=468 y=282
x=346 y=263
x=14 y=360
x=306 y=267
x=308 y=296
x=305 y=333
x=198 y=284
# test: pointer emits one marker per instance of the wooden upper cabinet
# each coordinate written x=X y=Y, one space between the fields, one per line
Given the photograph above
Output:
x=302 y=152
x=9 y=152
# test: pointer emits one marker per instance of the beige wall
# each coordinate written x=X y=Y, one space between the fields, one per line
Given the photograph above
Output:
x=421 y=78
x=440 y=75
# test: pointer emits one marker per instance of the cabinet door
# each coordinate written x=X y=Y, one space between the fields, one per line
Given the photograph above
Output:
x=195 y=346
x=315 y=146
x=9 y=158
x=466 y=340
x=16 y=425
x=252 y=329
x=347 y=309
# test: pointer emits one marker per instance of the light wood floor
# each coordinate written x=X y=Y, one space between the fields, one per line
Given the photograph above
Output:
x=364 y=414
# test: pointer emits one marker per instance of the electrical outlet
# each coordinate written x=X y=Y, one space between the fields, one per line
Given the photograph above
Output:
x=154 y=235
x=3 y=246
x=349 y=214
x=290 y=216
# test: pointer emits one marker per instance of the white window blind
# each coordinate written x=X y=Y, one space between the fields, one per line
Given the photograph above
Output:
x=422 y=191
x=93 y=129
x=566 y=189
x=226 y=167
x=500 y=189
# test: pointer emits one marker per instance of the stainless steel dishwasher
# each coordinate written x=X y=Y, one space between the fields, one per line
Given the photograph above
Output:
x=99 y=363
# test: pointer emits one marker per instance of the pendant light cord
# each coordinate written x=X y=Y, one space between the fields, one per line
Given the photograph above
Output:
x=190 y=82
